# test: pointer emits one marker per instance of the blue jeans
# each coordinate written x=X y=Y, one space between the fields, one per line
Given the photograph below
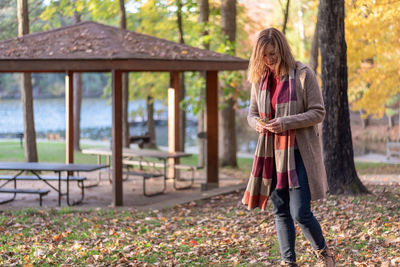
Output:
x=294 y=205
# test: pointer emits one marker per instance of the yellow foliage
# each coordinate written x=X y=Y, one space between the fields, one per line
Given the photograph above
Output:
x=373 y=53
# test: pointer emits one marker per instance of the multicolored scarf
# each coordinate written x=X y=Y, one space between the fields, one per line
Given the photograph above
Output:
x=272 y=146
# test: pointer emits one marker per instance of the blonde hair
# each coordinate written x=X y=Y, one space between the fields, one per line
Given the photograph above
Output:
x=275 y=38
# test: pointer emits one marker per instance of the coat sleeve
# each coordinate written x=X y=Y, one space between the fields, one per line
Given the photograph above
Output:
x=314 y=109
x=253 y=110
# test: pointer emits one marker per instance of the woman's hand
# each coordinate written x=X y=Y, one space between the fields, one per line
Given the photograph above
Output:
x=275 y=125
x=260 y=128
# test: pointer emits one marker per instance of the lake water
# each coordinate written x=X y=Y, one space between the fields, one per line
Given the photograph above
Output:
x=49 y=115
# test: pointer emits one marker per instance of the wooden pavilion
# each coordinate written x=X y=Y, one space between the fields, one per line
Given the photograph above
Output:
x=94 y=47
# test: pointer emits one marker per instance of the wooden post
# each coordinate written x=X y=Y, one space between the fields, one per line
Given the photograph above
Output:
x=69 y=117
x=173 y=120
x=117 y=189
x=212 y=129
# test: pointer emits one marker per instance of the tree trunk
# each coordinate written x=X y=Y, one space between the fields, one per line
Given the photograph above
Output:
x=179 y=21
x=151 y=129
x=182 y=113
x=77 y=109
x=204 y=11
x=26 y=90
x=313 y=63
x=228 y=19
x=364 y=121
x=125 y=84
x=337 y=142
x=390 y=121
x=285 y=16
x=125 y=113
x=77 y=99
x=227 y=123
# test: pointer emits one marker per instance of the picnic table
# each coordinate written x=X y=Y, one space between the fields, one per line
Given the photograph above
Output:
x=135 y=157
x=36 y=168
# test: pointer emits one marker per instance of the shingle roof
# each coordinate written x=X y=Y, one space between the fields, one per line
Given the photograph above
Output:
x=94 y=42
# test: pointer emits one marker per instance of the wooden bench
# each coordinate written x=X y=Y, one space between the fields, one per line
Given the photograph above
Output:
x=15 y=191
x=145 y=176
x=392 y=149
x=143 y=163
x=47 y=178
x=80 y=180
x=185 y=167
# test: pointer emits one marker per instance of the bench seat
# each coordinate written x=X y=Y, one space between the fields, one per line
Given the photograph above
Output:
x=40 y=192
x=145 y=176
x=392 y=149
x=186 y=167
x=143 y=163
x=47 y=178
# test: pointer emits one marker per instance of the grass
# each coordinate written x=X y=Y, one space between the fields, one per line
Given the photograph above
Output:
x=377 y=168
x=47 y=152
x=55 y=152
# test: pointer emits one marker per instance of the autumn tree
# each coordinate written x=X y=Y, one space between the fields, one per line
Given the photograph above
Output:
x=285 y=12
x=155 y=19
x=26 y=90
x=125 y=84
x=227 y=124
x=204 y=12
x=182 y=112
x=337 y=142
x=77 y=83
x=373 y=30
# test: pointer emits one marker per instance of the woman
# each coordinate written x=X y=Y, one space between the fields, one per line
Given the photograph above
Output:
x=285 y=108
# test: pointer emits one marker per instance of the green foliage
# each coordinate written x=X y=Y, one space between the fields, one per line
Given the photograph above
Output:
x=392 y=106
x=153 y=17
x=60 y=12
x=194 y=100
x=8 y=84
x=8 y=17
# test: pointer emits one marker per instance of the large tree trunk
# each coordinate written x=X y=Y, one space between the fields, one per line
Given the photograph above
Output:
x=313 y=63
x=26 y=90
x=125 y=84
x=182 y=113
x=77 y=99
x=204 y=11
x=227 y=124
x=337 y=143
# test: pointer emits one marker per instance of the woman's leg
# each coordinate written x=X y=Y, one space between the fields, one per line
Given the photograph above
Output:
x=283 y=221
x=300 y=207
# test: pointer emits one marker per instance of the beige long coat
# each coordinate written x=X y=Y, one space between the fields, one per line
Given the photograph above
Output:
x=310 y=113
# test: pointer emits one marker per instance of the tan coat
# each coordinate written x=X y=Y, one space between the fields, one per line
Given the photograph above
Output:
x=310 y=113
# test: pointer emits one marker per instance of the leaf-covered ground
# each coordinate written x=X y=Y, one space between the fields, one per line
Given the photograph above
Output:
x=365 y=231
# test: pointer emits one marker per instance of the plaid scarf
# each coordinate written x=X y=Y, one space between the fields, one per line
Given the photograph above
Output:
x=272 y=146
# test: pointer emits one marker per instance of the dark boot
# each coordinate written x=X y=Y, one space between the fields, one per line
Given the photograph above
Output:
x=326 y=258
x=288 y=264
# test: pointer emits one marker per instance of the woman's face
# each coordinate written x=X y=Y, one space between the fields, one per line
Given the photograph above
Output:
x=270 y=57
